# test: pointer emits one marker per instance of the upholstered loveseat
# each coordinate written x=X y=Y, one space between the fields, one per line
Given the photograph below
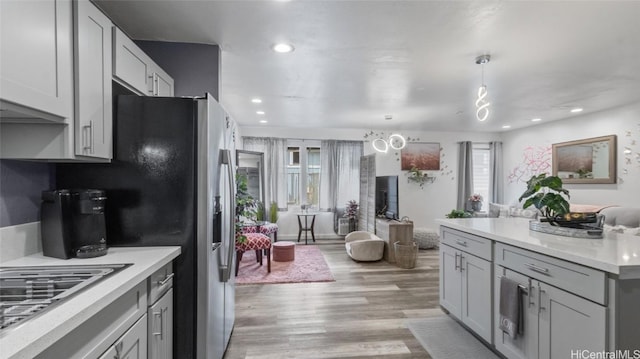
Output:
x=364 y=246
x=622 y=220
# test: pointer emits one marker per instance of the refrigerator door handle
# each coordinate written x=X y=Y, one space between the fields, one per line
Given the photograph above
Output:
x=226 y=268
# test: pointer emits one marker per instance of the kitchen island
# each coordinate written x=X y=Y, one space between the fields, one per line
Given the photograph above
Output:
x=577 y=294
x=31 y=338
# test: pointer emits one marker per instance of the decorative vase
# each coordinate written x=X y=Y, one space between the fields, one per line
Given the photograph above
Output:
x=476 y=206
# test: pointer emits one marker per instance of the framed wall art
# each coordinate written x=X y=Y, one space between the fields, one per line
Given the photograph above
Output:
x=592 y=160
x=423 y=155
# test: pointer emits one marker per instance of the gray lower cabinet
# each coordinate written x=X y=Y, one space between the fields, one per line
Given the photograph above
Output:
x=465 y=289
x=132 y=344
x=160 y=335
x=106 y=329
x=568 y=323
x=160 y=313
x=556 y=322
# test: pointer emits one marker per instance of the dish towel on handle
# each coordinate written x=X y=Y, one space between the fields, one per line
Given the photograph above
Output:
x=510 y=307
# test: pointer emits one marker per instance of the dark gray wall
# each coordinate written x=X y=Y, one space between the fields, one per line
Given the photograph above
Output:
x=21 y=184
x=195 y=68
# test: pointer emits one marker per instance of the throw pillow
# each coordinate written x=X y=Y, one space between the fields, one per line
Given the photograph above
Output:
x=498 y=210
x=526 y=213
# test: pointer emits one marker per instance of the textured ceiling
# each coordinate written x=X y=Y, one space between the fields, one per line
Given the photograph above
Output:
x=357 y=61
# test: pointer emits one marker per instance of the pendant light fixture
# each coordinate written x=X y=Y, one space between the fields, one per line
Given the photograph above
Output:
x=482 y=105
x=395 y=141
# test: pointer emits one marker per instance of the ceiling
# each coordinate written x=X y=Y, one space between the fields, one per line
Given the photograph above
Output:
x=357 y=61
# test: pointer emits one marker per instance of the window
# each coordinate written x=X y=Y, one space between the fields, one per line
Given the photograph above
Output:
x=303 y=173
x=481 y=170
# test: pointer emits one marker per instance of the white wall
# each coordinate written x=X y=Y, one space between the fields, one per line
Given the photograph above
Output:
x=422 y=206
x=623 y=122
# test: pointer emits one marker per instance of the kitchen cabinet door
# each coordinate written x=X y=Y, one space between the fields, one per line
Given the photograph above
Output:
x=135 y=70
x=160 y=335
x=36 y=67
x=93 y=71
x=450 y=281
x=568 y=322
x=161 y=83
x=130 y=64
x=526 y=345
x=132 y=344
x=476 y=295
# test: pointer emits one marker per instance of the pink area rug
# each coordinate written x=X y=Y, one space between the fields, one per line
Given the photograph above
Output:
x=308 y=266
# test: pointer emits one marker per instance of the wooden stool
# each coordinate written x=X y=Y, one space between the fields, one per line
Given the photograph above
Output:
x=284 y=251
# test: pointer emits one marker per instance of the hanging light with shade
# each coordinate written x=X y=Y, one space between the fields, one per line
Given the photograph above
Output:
x=482 y=105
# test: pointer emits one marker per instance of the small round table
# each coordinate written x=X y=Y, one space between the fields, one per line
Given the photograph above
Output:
x=284 y=251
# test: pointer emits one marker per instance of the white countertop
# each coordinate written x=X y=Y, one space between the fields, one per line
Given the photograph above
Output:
x=27 y=339
x=615 y=253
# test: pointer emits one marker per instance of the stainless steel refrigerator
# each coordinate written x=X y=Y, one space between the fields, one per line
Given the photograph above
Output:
x=172 y=182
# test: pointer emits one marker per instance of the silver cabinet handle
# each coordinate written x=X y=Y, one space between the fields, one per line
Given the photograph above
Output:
x=464 y=244
x=152 y=90
x=535 y=268
x=456 y=261
x=156 y=86
x=118 y=350
x=160 y=333
x=461 y=266
x=540 y=291
x=529 y=290
x=87 y=137
x=166 y=279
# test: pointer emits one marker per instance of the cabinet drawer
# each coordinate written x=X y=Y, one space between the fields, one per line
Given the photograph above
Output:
x=583 y=281
x=469 y=243
x=103 y=329
x=160 y=282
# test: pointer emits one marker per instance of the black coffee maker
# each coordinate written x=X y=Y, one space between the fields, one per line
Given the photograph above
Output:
x=72 y=223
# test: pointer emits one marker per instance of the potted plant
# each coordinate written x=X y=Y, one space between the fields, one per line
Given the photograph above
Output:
x=546 y=194
x=458 y=213
x=351 y=212
x=245 y=205
x=273 y=212
x=417 y=175
x=476 y=202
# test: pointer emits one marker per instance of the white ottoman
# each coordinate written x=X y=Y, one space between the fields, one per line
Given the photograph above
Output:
x=426 y=238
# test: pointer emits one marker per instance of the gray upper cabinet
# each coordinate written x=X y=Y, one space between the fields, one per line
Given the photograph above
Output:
x=135 y=70
x=56 y=81
x=93 y=135
x=36 y=59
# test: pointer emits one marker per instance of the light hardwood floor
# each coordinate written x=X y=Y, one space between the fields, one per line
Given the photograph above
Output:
x=360 y=315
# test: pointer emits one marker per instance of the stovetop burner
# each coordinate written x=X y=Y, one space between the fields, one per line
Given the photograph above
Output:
x=27 y=291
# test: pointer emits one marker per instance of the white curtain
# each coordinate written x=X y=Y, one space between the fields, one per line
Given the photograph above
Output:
x=340 y=173
x=496 y=178
x=275 y=155
x=465 y=174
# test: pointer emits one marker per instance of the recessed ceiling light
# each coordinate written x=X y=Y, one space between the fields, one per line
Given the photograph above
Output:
x=260 y=112
x=282 y=48
x=506 y=126
x=256 y=100
x=263 y=121
x=536 y=119
x=576 y=110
